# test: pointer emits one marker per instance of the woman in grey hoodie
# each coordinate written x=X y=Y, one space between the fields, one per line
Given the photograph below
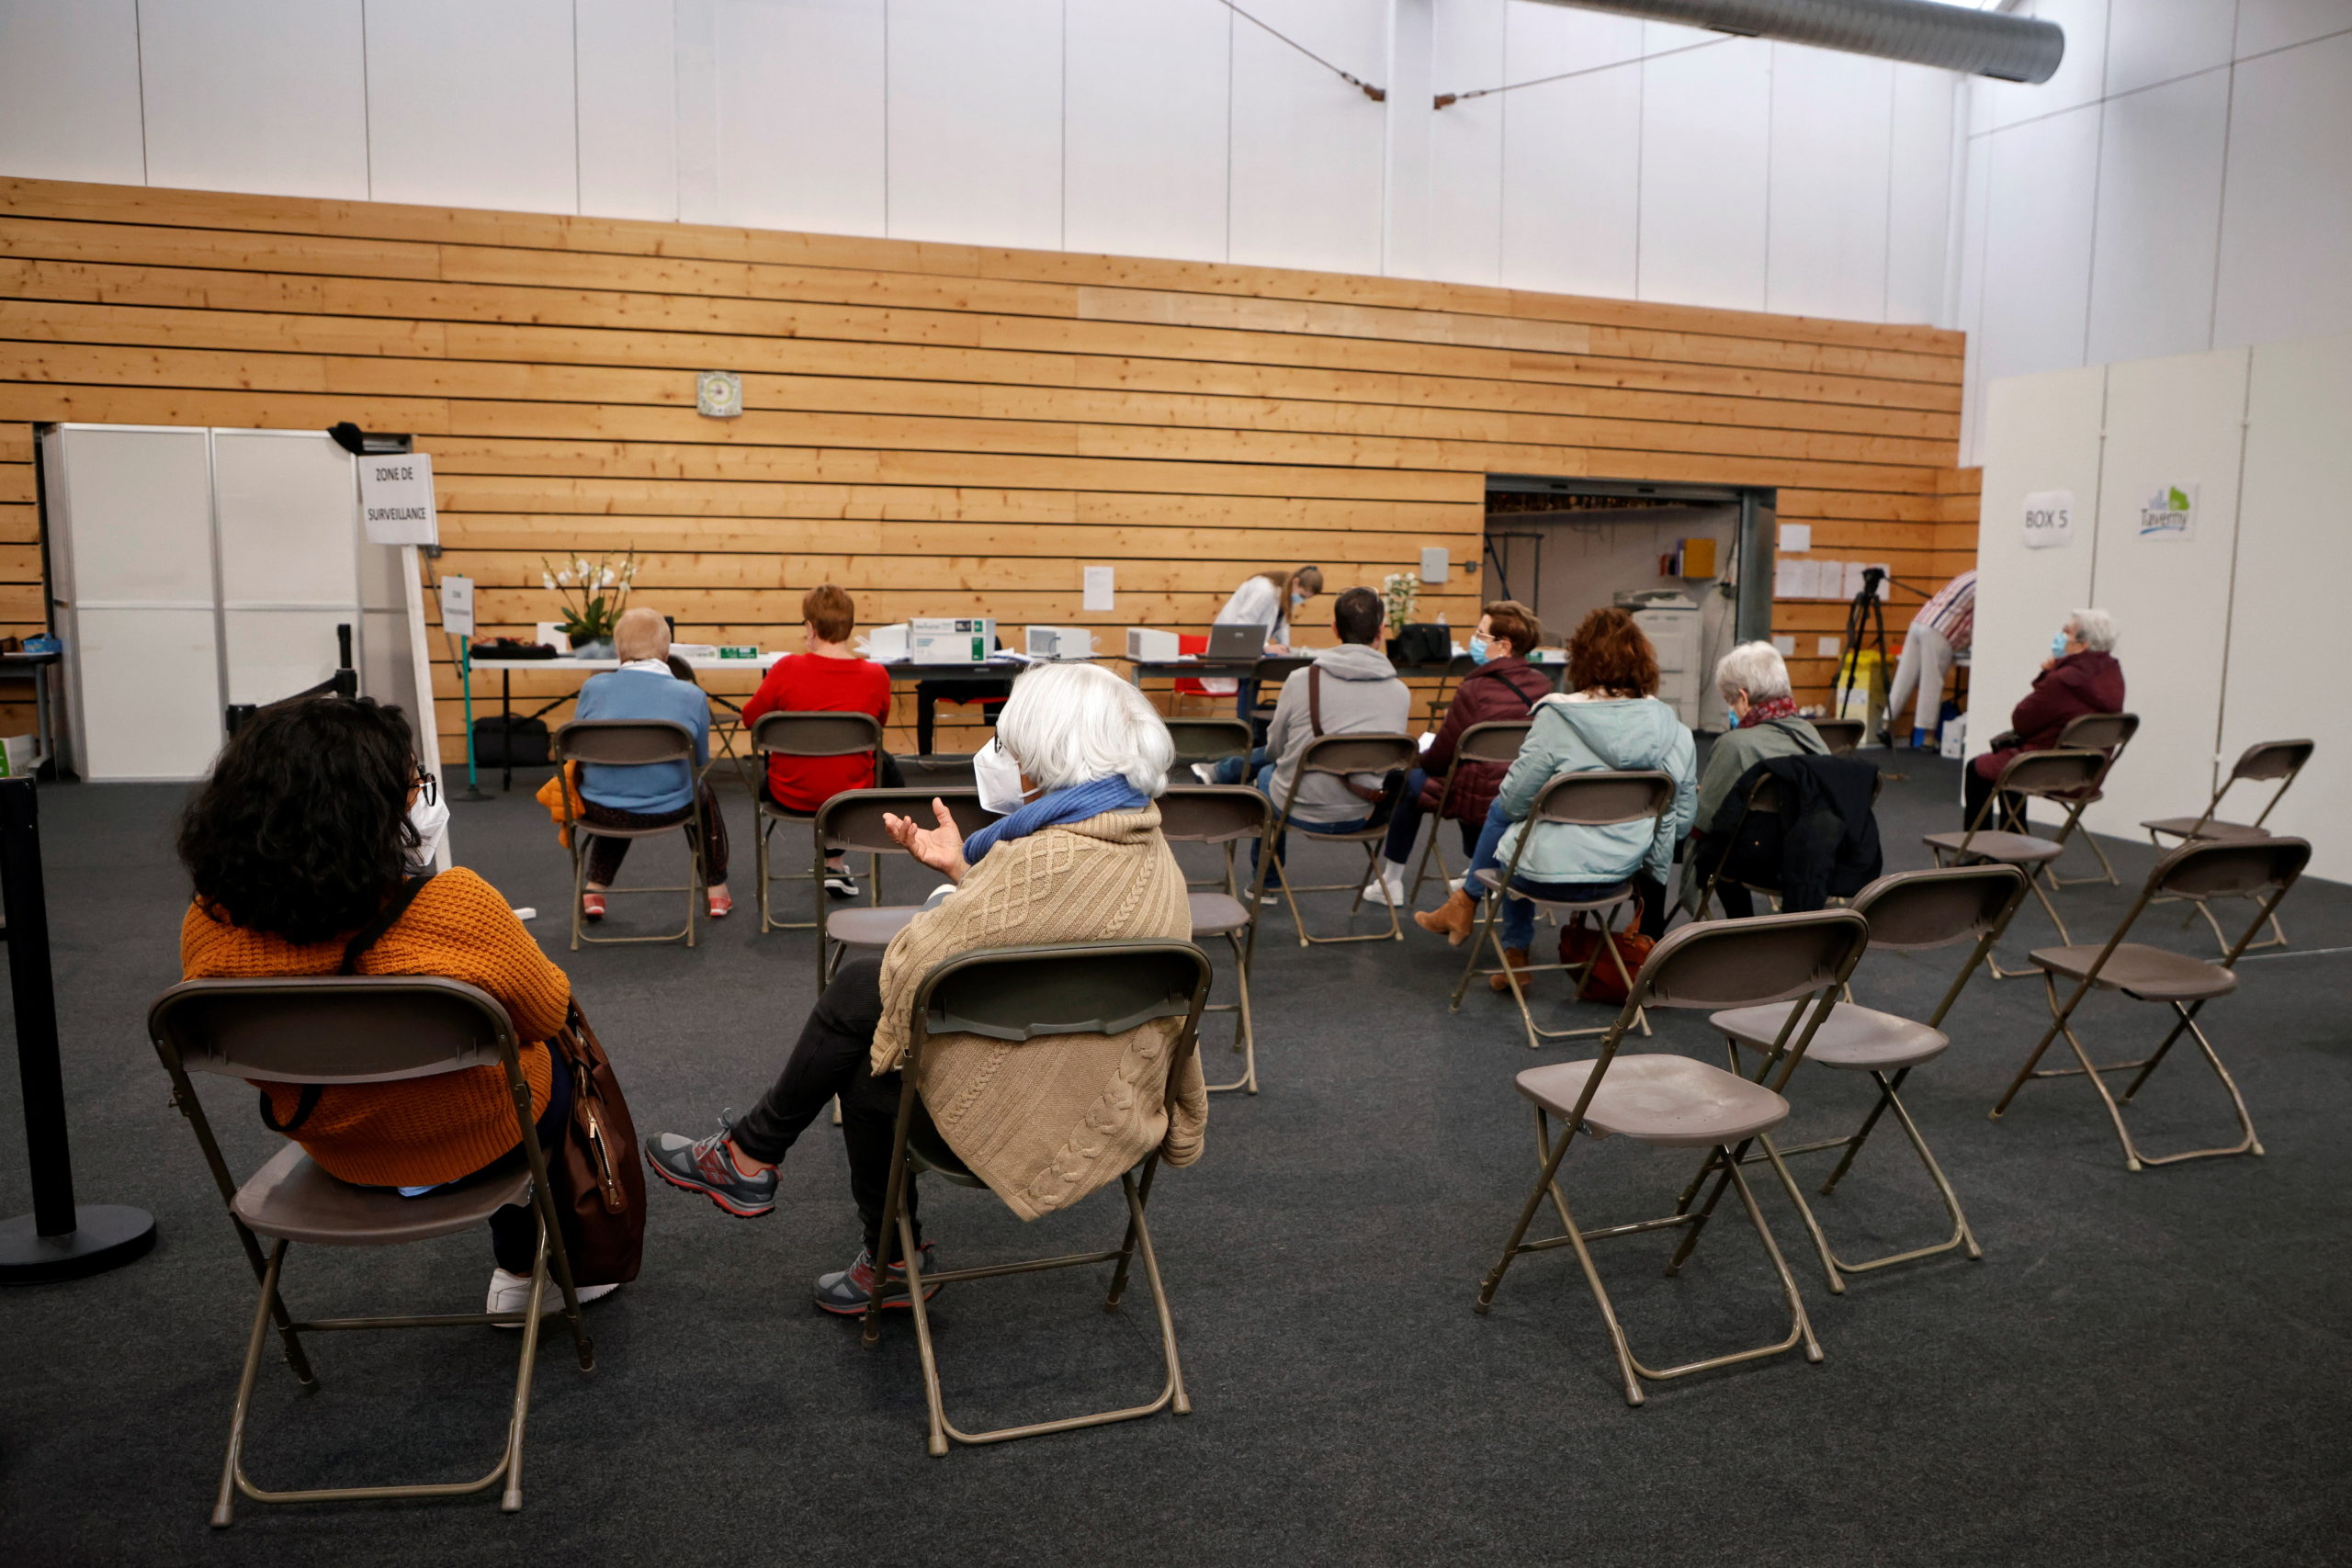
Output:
x=1611 y=719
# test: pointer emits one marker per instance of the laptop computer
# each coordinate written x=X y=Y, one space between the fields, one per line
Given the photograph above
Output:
x=1236 y=642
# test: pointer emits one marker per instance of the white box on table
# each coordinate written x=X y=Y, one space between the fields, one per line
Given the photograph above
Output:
x=951 y=640
x=1150 y=646
x=1058 y=642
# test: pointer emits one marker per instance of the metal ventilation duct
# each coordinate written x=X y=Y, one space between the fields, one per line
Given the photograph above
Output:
x=1982 y=44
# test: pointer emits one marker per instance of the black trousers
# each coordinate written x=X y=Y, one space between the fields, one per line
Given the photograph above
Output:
x=834 y=1059
x=2009 y=816
x=514 y=1227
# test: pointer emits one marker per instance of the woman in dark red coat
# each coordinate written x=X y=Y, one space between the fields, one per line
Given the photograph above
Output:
x=1503 y=686
x=2080 y=676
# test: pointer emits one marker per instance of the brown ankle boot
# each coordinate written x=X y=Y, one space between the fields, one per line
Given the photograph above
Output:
x=1452 y=920
x=1517 y=958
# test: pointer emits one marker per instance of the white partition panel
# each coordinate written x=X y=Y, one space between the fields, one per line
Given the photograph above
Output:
x=2171 y=423
x=2288 y=636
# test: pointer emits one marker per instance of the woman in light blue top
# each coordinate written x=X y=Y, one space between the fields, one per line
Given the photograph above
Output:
x=653 y=795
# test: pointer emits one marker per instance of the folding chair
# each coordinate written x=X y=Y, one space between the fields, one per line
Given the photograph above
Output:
x=803 y=734
x=1842 y=735
x=1497 y=741
x=2199 y=869
x=1668 y=1101
x=1338 y=755
x=1223 y=814
x=337 y=1029
x=631 y=743
x=1763 y=798
x=1206 y=740
x=1584 y=800
x=2105 y=732
x=852 y=821
x=1908 y=911
x=2281 y=760
x=1020 y=994
x=2056 y=775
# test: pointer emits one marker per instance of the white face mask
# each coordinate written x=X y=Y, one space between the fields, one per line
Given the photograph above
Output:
x=429 y=815
x=998 y=777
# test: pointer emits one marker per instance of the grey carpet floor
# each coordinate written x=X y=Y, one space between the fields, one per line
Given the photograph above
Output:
x=2148 y=1368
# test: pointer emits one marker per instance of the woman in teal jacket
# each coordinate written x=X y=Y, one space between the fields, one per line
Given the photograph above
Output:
x=1611 y=719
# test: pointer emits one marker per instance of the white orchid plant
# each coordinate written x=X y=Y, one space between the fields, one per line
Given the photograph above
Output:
x=1400 y=590
x=594 y=593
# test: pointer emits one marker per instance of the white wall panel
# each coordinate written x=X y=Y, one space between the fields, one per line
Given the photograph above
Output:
x=471 y=104
x=2159 y=218
x=2288 y=623
x=1572 y=153
x=1470 y=49
x=2169 y=422
x=1968 y=295
x=69 y=91
x=2038 y=243
x=1308 y=150
x=1919 y=212
x=781 y=114
x=2150 y=41
x=1706 y=125
x=627 y=60
x=1143 y=148
x=2287 y=225
x=266 y=96
x=976 y=121
x=147 y=694
x=2265 y=25
x=2080 y=75
x=1831 y=140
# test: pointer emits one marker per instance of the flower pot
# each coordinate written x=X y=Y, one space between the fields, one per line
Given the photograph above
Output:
x=593 y=648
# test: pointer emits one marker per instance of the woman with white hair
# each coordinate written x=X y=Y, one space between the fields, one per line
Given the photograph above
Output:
x=2081 y=676
x=1754 y=682
x=654 y=795
x=1078 y=856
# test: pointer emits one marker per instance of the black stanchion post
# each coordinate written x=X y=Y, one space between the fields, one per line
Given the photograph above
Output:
x=59 y=1240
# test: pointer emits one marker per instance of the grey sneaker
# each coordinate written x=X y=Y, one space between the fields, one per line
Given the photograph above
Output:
x=707 y=1166
x=1204 y=771
x=845 y=1294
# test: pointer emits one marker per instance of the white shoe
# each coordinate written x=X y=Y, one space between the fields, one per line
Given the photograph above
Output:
x=1204 y=771
x=1387 y=886
x=511 y=1293
x=1453 y=883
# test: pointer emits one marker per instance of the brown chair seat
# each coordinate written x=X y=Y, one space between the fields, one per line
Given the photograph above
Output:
x=1214 y=914
x=1617 y=893
x=291 y=1198
x=1653 y=1097
x=1858 y=1039
x=2009 y=849
x=869 y=927
x=2142 y=973
x=2225 y=833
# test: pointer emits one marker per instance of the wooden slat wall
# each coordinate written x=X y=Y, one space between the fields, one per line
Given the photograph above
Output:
x=941 y=429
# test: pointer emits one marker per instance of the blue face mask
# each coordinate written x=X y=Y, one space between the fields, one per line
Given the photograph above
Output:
x=2057 y=645
x=1731 y=719
x=1480 y=649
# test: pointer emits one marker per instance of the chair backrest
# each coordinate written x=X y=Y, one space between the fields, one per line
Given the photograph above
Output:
x=623 y=742
x=1747 y=963
x=2051 y=773
x=1496 y=740
x=1600 y=799
x=329 y=1029
x=853 y=819
x=1357 y=754
x=1213 y=814
x=816 y=734
x=2098 y=731
x=2272 y=760
x=1209 y=739
x=2229 y=868
x=1097 y=987
x=1912 y=909
x=1840 y=735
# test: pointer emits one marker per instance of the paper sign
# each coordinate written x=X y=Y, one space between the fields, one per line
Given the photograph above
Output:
x=1830 y=646
x=457 y=605
x=2049 y=519
x=1097 y=588
x=1787 y=647
x=1784 y=577
x=1796 y=536
x=2169 y=513
x=396 y=499
x=1437 y=560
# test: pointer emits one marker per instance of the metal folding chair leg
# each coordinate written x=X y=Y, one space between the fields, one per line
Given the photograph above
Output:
x=1292 y=890
x=1536 y=1033
x=691 y=887
x=1245 y=1032
x=2107 y=867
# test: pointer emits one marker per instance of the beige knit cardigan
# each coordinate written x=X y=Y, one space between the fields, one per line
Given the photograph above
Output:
x=1047 y=1121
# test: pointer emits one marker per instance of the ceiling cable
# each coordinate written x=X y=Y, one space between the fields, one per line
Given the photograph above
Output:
x=1445 y=99
x=1377 y=95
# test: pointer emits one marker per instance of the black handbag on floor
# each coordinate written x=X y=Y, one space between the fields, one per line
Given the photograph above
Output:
x=503 y=740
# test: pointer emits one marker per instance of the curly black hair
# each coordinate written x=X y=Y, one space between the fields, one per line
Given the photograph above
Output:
x=302 y=829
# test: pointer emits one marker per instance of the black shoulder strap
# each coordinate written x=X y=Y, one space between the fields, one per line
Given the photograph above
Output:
x=386 y=917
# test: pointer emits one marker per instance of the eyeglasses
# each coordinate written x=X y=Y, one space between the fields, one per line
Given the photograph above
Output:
x=429 y=788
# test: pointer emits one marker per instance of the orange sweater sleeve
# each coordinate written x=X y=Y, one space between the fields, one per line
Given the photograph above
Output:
x=465 y=930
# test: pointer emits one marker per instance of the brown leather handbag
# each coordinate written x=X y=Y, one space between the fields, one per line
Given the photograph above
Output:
x=599 y=1189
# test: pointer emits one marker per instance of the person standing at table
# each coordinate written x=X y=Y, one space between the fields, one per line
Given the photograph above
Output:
x=1272 y=599
x=1945 y=626
x=829 y=678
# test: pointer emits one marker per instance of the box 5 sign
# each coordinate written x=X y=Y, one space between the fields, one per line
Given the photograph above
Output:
x=396 y=499
x=2049 y=519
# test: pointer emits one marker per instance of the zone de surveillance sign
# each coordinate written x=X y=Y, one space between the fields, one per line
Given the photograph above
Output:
x=396 y=499
x=2049 y=519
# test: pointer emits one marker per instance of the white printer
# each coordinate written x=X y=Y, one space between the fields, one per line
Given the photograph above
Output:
x=1671 y=620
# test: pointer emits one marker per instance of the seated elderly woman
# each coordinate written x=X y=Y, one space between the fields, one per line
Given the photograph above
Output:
x=316 y=832
x=1753 y=680
x=1077 y=761
x=657 y=793
x=2081 y=676
x=1611 y=718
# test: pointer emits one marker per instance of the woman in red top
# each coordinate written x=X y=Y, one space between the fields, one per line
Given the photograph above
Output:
x=829 y=678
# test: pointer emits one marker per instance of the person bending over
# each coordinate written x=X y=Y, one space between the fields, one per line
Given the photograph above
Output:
x=1081 y=859
x=1610 y=719
x=2081 y=676
x=311 y=830
x=1753 y=680
x=653 y=795
x=1504 y=686
x=829 y=678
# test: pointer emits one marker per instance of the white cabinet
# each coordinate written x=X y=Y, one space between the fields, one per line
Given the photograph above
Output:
x=1673 y=630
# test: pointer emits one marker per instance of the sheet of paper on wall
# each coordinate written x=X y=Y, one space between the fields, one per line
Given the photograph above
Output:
x=457 y=605
x=1784 y=577
x=1098 y=588
x=1796 y=537
x=1787 y=646
x=396 y=499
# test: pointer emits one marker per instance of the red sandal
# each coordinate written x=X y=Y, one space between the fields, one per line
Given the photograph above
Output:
x=721 y=904
x=591 y=906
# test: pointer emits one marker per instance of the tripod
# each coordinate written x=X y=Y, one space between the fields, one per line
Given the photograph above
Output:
x=1865 y=632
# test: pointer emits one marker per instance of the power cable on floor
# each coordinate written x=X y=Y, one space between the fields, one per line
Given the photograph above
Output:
x=1377 y=95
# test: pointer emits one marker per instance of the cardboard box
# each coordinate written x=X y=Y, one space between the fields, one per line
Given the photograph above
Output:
x=1150 y=646
x=944 y=640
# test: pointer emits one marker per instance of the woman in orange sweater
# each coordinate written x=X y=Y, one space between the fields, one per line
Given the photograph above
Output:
x=306 y=833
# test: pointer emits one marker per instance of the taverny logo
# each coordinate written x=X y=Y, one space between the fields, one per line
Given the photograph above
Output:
x=2170 y=513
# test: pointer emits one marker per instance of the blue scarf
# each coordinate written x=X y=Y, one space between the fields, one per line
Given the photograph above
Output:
x=1073 y=805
